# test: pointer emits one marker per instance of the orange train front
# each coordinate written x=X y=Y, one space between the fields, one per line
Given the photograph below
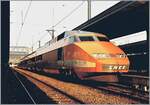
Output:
x=86 y=55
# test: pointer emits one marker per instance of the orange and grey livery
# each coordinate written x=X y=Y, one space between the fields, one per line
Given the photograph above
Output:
x=78 y=54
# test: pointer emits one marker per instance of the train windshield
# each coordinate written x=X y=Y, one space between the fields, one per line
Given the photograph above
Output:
x=72 y=39
x=86 y=38
x=103 y=39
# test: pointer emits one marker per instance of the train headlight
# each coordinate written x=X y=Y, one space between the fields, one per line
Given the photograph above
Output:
x=100 y=55
x=110 y=67
x=121 y=55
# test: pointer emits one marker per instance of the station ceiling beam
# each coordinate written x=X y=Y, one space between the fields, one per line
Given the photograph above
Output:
x=126 y=17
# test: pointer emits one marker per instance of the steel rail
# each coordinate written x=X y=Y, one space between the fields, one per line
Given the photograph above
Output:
x=24 y=87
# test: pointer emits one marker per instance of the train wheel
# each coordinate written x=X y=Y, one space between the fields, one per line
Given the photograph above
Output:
x=65 y=73
x=73 y=75
x=34 y=68
x=37 y=69
x=68 y=73
x=62 y=73
x=31 y=68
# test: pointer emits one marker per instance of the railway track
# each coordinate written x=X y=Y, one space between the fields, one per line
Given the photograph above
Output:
x=65 y=92
x=137 y=82
x=126 y=87
x=55 y=94
x=121 y=90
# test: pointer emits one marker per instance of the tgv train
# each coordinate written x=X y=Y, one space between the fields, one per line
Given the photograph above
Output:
x=78 y=54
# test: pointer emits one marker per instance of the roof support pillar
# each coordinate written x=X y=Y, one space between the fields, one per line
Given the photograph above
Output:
x=89 y=9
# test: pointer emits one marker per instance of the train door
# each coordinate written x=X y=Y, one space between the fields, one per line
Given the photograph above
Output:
x=60 y=58
x=60 y=54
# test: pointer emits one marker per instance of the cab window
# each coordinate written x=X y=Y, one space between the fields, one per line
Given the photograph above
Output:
x=72 y=39
x=103 y=39
x=86 y=38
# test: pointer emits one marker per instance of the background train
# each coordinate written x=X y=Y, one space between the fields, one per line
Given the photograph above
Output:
x=79 y=54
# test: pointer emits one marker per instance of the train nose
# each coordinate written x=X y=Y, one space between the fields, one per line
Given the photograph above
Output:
x=108 y=57
x=112 y=62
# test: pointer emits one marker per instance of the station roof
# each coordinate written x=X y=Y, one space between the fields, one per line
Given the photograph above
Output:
x=124 y=18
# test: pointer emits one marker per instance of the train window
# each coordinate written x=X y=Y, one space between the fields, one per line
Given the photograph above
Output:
x=103 y=39
x=33 y=59
x=39 y=58
x=86 y=38
x=60 y=36
x=72 y=39
x=60 y=54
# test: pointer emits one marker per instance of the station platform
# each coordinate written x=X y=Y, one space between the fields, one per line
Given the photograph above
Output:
x=13 y=92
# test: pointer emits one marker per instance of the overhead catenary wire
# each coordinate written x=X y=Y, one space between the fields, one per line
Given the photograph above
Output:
x=70 y=13
x=60 y=21
x=43 y=36
x=23 y=22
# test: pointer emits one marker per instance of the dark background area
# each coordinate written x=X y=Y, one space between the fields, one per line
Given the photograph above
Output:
x=4 y=48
